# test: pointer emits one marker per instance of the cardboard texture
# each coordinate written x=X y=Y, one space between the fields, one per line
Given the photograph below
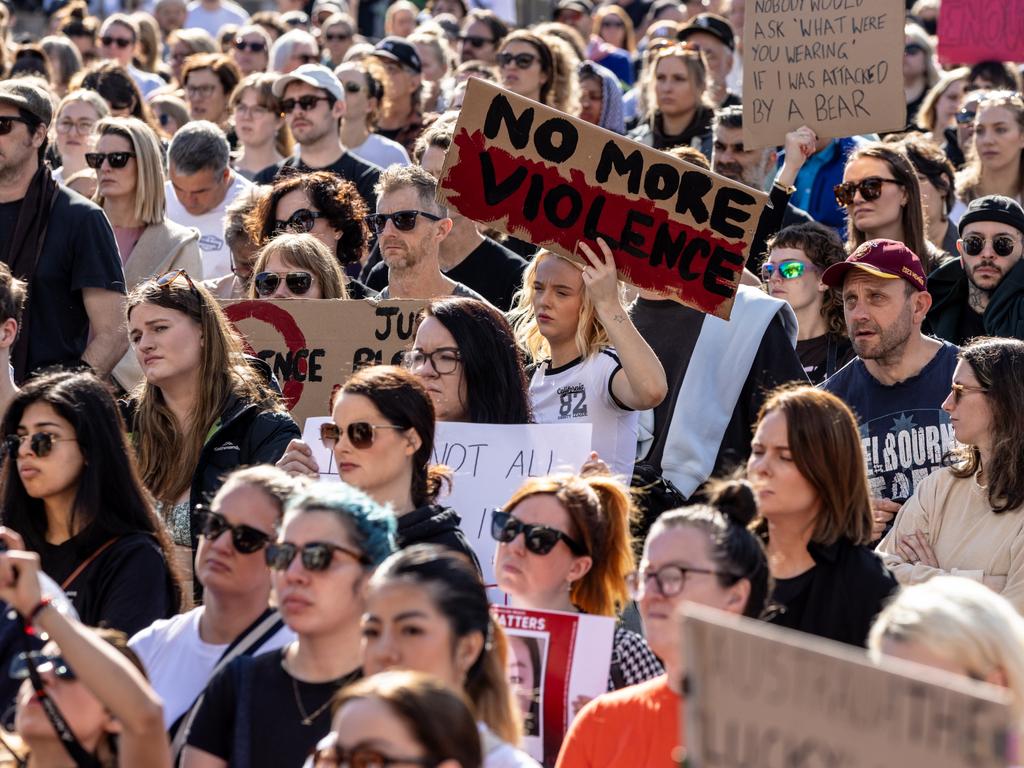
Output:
x=835 y=66
x=763 y=695
x=553 y=180
x=981 y=30
x=314 y=345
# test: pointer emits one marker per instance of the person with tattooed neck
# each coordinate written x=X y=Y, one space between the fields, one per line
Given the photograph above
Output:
x=982 y=292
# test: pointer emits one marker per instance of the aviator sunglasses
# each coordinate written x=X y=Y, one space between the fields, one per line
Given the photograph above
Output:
x=298 y=283
x=869 y=188
x=539 y=539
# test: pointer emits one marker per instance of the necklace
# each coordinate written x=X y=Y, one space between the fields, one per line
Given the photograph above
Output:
x=309 y=719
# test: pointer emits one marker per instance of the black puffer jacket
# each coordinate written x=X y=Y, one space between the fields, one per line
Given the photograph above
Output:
x=434 y=524
x=1004 y=315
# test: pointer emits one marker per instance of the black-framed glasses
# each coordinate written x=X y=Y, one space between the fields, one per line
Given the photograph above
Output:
x=337 y=37
x=303 y=220
x=115 y=159
x=43 y=662
x=869 y=188
x=966 y=115
x=256 y=46
x=167 y=279
x=244 y=538
x=120 y=42
x=40 y=443
x=315 y=556
x=335 y=756
x=200 y=91
x=521 y=60
x=444 y=360
x=307 y=102
x=361 y=434
x=539 y=539
x=475 y=41
x=1002 y=245
x=298 y=283
x=670 y=579
x=788 y=270
x=404 y=221
x=308 y=58
x=959 y=390
x=7 y=123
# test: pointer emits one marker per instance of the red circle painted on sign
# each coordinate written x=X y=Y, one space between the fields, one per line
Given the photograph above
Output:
x=284 y=323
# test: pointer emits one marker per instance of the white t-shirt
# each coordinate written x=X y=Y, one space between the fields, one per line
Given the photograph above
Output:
x=179 y=663
x=581 y=392
x=381 y=151
x=212 y=21
x=213 y=250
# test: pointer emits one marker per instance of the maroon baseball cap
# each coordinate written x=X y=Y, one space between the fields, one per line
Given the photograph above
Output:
x=890 y=259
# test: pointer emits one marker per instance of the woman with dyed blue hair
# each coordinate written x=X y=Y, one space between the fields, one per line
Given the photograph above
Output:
x=271 y=710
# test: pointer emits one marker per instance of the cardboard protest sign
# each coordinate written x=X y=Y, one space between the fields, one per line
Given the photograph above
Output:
x=833 y=65
x=313 y=345
x=556 y=663
x=758 y=694
x=489 y=462
x=981 y=30
x=543 y=176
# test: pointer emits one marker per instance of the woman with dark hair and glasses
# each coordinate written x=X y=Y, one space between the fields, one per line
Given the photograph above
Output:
x=382 y=436
x=324 y=205
x=296 y=267
x=702 y=554
x=203 y=408
x=966 y=519
x=574 y=533
x=271 y=710
x=466 y=355
x=541 y=68
x=71 y=489
x=363 y=94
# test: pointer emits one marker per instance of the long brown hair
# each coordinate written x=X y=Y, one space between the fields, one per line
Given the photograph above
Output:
x=168 y=456
x=999 y=366
x=825 y=444
x=600 y=508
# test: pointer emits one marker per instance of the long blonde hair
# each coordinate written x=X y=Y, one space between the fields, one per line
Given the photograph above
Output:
x=968 y=181
x=150 y=201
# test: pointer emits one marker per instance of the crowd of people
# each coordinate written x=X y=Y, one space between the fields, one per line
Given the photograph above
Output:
x=844 y=457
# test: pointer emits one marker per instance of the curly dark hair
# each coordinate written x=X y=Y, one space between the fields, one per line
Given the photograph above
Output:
x=112 y=81
x=339 y=201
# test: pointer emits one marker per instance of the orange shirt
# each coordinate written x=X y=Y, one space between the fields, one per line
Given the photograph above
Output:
x=637 y=726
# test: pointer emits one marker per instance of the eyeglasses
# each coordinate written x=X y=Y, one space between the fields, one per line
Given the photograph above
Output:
x=19 y=665
x=539 y=539
x=337 y=37
x=307 y=58
x=522 y=60
x=82 y=127
x=336 y=756
x=965 y=116
x=200 y=91
x=670 y=580
x=869 y=188
x=120 y=42
x=912 y=49
x=115 y=159
x=250 y=110
x=302 y=220
x=351 y=86
x=475 y=41
x=40 y=443
x=361 y=434
x=1002 y=245
x=307 y=103
x=7 y=123
x=245 y=539
x=167 y=279
x=405 y=221
x=256 y=47
x=298 y=283
x=788 y=270
x=444 y=360
x=959 y=390
x=316 y=555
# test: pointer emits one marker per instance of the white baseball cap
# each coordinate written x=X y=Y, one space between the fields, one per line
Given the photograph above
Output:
x=316 y=75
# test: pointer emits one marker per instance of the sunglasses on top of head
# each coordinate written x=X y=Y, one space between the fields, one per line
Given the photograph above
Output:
x=404 y=221
x=539 y=539
x=869 y=188
x=1002 y=245
x=244 y=538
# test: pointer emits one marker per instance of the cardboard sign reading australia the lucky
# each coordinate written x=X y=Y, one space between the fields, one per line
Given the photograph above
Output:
x=553 y=180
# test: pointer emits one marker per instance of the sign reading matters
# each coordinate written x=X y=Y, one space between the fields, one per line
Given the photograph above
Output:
x=835 y=66
x=981 y=30
x=553 y=180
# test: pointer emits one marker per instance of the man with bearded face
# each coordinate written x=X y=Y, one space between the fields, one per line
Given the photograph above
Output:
x=982 y=292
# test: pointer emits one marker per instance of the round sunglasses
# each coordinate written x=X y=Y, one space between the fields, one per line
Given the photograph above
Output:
x=539 y=539
x=298 y=283
x=361 y=434
x=41 y=443
x=788 y=270
x=1002 y=245
x=869 y=188
x=315 y=556
x=244 y=538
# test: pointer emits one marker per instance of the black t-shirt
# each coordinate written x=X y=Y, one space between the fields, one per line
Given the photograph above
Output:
x=349 y=167
x=903 y=430
x=250 y=716
x=970 y=325
x=814 y=355
x=791 y=597
x=79 y=251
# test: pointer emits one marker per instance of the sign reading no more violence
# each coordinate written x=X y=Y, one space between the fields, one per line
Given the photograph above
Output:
x=554 y=180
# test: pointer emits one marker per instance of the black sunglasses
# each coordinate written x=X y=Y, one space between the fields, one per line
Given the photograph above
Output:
x=912 y=48
x=298 y=283
x=302 y=220
x=539 y=539
x=307 y=103
x=405 y=221
x=316 y=556
x=308 y=58
x=1002 y=245
x=116 y=159
x=869 y=188
x=256 y=47
x=337 y=37
x=475 y=41
x=7 y=124
x=41 y=443
x=522 y=60
x=245 y=539
x=20 y=663
x=360 y=433
x=351 y=86
x=120 y=42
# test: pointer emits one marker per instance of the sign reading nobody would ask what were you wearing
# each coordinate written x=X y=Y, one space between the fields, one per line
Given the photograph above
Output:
x=758 y=694
x=556 y=663
x=981 y=30
x=314 y=345
x=488 y=462
x=835 y=66
x=555 y=181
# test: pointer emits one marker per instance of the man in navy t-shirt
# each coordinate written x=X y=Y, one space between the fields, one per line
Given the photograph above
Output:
x=900 y=377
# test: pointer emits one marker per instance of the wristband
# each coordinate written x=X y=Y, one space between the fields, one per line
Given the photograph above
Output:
x=34 y=614
x=790 y=190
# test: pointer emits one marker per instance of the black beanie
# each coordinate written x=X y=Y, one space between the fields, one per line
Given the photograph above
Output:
x=999 y=208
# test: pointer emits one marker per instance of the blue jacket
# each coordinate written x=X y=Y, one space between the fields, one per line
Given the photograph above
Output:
x=822 y=205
